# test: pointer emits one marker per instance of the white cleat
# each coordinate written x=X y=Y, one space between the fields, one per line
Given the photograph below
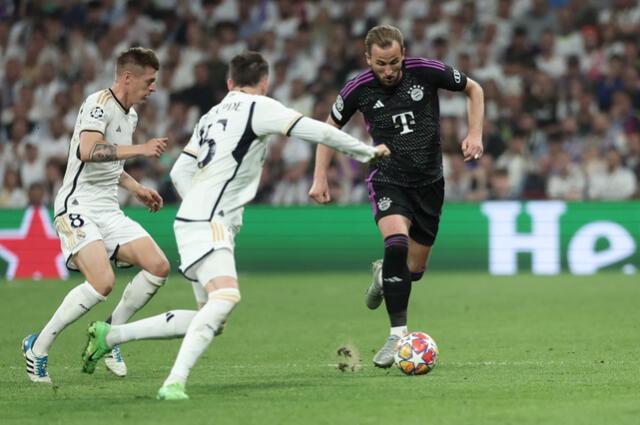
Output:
x=115 y=363
x=373 y=296
x=385 y=357
x=36 y=366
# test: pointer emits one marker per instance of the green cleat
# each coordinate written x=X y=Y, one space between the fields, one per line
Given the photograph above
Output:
x=96 y=346
x=173 y=391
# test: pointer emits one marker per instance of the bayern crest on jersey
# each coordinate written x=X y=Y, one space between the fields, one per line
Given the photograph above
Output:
x=416 y=92
x=384 y=203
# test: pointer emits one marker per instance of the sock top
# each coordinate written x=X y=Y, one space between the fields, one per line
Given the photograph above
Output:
x=152 y=279
x=89 y=287
x=226 y=294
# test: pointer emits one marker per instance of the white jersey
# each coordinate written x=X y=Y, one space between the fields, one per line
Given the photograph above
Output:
x=229 y=145
x=94 y=185
x=219 y=170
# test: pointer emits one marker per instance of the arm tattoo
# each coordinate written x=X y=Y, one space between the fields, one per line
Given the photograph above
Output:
x=103 y=152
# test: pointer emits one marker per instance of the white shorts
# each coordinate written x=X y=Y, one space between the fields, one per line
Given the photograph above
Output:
x=197 y=239
x=218 y=263
x=76 y=229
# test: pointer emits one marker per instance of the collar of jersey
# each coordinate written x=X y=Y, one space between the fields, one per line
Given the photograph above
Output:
x=125 y=110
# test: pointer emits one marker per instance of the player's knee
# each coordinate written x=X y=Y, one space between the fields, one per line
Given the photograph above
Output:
x=104 y=282
x=160 y=267
x=416 y=276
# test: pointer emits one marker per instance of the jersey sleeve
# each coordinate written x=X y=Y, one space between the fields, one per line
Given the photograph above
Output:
x=272 y=117
x=184 y=168
x=191 y=149
x=182 y=173
x=95 y=114
x=437 y=73
x=346 y=103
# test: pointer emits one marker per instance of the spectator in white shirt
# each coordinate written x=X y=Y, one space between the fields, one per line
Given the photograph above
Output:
x=517 y=161
x=615 y=183
x=567 y=181
x=12 y=195
x=293 y=187
x=32 y=165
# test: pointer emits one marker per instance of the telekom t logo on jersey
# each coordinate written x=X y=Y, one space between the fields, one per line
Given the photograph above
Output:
x=404 y=120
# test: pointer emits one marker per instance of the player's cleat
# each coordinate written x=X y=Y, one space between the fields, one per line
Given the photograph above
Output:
x=373 y=296
x=384 y=357
x=96 y=347
x=173 y=391
x=115 y=363
x=36 y=366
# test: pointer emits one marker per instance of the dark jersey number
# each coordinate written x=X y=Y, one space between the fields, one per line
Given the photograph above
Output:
x=210 y=142
x=76 y=221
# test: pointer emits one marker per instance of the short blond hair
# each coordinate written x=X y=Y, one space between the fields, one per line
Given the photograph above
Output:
x=139 y=56
x=383 y=36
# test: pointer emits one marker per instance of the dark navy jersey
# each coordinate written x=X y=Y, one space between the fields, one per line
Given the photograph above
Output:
x=405 y=117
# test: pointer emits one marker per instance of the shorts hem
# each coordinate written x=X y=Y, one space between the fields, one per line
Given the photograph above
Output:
x=186 y=269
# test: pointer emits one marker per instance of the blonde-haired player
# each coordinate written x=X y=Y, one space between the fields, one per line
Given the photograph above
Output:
x=92 y=228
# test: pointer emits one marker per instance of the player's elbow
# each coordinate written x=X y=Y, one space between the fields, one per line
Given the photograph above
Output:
x=83 y=155
x=178 y=180
x=174 y=175
x=474 y=89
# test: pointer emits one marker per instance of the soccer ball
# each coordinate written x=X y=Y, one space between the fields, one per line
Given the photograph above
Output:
x=417 y=354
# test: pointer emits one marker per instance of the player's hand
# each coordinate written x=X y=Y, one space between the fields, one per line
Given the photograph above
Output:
x=319 y=191
x=150 y=198
x=382 y=152
x=154 y=147
x=472 y=149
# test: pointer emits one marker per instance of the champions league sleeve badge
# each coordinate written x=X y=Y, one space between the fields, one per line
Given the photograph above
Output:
x=97 y=112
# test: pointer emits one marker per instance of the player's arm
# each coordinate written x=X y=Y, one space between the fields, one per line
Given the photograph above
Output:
x=341 y=111
x=319 y=191
x=319 y=132
x=147 y=196
x=182 y=172
x=93 y=148
x=472 y=144
x=186 y=165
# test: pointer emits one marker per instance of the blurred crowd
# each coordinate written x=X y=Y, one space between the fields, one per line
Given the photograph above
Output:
x=561 y=83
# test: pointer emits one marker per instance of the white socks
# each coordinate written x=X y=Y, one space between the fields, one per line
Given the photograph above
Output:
x=137 y=293
x=201 y=330
x=398 y=331
x=172 y=324
x=77 y=302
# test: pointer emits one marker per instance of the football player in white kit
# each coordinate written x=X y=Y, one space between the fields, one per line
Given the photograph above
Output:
x=88 y=220
x=217 y=175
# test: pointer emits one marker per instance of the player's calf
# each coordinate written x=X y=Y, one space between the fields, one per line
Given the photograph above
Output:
x=396 y=278
x=138 y=292
x=205 y=325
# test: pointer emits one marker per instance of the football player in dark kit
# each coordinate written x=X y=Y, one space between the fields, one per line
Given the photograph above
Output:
x=399 y=100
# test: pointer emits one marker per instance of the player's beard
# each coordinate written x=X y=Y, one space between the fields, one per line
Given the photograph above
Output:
x=390 y=82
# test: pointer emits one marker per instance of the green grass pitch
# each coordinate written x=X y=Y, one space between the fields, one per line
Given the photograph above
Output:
x=513 y=350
